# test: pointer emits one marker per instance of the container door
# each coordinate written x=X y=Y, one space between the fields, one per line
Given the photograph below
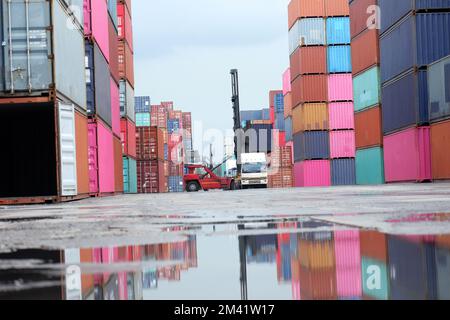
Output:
x=25 y=45
x=68 y=154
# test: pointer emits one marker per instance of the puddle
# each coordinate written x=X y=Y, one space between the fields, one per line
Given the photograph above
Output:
x=299 y=260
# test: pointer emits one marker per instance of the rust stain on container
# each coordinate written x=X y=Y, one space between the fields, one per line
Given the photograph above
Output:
x=365 y=51
x=369 y=132
x=440 y=150
x=81 y=132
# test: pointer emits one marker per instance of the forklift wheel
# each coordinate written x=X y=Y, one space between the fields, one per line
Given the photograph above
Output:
x=233 y=185
x=192 y=187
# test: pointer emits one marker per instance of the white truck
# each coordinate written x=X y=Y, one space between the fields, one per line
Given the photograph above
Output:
x=254 y=170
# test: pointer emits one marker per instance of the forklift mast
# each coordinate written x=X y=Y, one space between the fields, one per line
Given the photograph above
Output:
x=236 y=113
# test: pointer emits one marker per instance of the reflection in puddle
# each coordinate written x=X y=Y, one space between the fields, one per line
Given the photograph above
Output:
x=339 y=264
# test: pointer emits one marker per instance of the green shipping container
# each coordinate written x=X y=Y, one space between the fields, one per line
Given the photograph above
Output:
x=143 y=120
x=370 y=166
x=375 y=279
x=129 y=175
x=366 y=89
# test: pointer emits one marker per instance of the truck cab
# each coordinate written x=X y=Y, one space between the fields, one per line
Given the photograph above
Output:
x=200 y=177
x=254 y=170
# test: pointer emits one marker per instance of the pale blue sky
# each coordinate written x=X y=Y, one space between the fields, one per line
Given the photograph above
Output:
x=185 y=49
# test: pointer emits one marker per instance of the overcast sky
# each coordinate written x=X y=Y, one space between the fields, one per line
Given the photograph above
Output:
x=184 y=51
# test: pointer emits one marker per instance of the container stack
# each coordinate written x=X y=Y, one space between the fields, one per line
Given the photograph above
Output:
x=322 y=93
x=125 y=70
x=439 y=109
x=367 y=93
x=317 y=266
x=281 y=173
x=176 y=150
x=43 y=103
x=406 y=51
x=374 y=257
x=288 y=110
x=276 y=99
x=187 y=137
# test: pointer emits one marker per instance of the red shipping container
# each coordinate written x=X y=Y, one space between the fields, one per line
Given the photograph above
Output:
x=149 y=143
x=126 y=62
x=365 y=51
x=359 y=15
x=272 y=95
x=124 y=25
x=150 y=176
x=288 y=105
x=128 y=137
x=336 y=8
x=168 y=105
x=159 y=116
x=308 y=60
x=118 y=166
x=309 y=88
x=305 y=8
x=318 y=284
x=113 y=51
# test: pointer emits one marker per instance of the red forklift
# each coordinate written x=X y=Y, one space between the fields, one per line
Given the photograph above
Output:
x=200 y=177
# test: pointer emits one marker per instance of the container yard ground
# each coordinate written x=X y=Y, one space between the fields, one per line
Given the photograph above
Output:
x=146 y=219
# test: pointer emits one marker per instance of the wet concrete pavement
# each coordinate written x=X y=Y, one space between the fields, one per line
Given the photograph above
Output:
x=326 y=243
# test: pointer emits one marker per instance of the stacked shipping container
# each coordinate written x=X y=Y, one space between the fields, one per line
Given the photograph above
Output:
x=367 y=92
x=412 y=37
x=322 y=95
x=123 y=44
x=43 y=103
x=281 y=168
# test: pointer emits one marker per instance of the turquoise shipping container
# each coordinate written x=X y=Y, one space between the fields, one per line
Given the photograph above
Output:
x=143 y=120
x=375 y=279
x=370 y=166
x=366 y=89
x=338 y=30
x=339 y=59
x=129 y=175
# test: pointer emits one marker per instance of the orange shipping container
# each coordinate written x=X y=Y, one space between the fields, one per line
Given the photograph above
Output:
x=359 y=15
x=365 y=51
x=308 y=60
x=118 y=165
x=87 y=280
x=113 y=51
x=288 y=105
x=126 y=63
x=316 y=254
x=318 y=284
x=369 y=132
x=440 y=150
x=81 y=132
x=304 y=9
x=309 y=88
x=309 y=117
x=373 y=245
x=336 y=8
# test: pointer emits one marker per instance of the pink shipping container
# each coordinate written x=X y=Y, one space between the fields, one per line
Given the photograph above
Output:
x=315 y=173
x=115 y=108
x=105 y=159
x=342 y=144
x=341 y=115
x=110 y=255
x=97 y=24
x=287 y=82
x=407 y=155
x=340 y=87
x=123 y=286
x=93 y=156
x=348 y=264
x=296 y=290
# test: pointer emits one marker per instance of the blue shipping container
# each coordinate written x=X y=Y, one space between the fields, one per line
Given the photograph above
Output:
x=343 y=172
x=338 y=30
x=405 y=102
x=311 y=145
x=173 y=126
x=279 y=103
x=416 y=42
x=176 y=184
x=259 y=139
x=279 y=121
x=142 y=104
x=288 y=128
x=339 y=59
x=393 y=11
x=251 y=115
x=265 y=114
